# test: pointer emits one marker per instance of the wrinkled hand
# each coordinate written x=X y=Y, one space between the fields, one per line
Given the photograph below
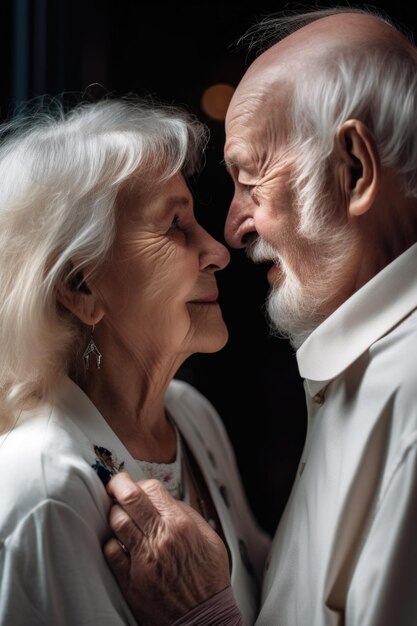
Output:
x=174 y=559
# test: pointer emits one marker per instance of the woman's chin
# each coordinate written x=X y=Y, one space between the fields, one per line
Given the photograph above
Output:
x=213 y=340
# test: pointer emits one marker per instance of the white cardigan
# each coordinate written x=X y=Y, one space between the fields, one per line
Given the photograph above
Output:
x=54 y=509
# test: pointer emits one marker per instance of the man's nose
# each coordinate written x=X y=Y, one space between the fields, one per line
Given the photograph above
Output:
x=240 y=228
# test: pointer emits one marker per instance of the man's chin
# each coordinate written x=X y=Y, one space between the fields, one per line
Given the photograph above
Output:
x=286 y=320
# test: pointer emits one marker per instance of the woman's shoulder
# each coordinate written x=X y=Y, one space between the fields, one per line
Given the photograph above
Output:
x=195 y=413
x=43 y=461
x=180 y=389
x=183 y=396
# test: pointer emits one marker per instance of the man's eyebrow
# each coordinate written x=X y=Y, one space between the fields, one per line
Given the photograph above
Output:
x=229 y=164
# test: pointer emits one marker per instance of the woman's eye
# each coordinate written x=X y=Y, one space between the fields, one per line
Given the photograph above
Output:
x=182 y=224
x=175 y=223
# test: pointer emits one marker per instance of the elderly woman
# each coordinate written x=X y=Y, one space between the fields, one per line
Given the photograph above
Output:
x=107 y=285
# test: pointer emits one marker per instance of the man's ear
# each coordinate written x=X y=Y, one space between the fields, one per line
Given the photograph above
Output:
x=80 y=301
x=360 y=166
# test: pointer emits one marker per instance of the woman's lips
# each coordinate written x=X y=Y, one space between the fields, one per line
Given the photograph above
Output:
x=209 y=299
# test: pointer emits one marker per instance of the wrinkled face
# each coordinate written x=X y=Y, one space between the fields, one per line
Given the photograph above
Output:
x=264 y=203
x=307 y=277
x=158 y=287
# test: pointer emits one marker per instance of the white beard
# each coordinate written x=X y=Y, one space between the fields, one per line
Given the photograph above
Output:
x=294 y=308
x=291 y=309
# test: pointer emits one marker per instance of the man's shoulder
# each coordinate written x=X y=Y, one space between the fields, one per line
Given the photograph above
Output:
x=399 y=346
x=393 y=371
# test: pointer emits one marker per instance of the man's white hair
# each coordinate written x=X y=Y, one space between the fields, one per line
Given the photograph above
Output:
x=372 y=82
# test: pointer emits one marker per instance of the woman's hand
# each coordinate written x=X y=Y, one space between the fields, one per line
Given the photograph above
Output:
x=165 y=557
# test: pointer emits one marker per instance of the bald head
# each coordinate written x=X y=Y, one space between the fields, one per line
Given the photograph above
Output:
x=341 y=52
x=303 y=40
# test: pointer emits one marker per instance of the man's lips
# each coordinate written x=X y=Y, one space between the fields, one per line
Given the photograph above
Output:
x=274 y=272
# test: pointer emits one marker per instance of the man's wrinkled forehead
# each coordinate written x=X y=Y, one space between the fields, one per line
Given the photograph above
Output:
x=247 y=102
x=258 y=107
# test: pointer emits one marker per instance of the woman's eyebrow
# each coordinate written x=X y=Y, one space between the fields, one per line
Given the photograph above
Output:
x=177 y=201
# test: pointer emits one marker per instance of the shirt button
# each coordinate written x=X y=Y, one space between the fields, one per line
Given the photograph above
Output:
x=225 y=496
x=211 y=457
x=319 y=397
x=244 y=555
x=267 y=562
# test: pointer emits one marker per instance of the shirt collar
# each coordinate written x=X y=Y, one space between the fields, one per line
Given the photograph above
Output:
x=365 y=317
x=77 y=407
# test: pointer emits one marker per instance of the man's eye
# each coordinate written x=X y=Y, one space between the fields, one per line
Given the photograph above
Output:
x=253 y=191
x=246 y=186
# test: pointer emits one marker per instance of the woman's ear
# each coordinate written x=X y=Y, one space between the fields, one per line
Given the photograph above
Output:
x=360 y=166
x=75 y=296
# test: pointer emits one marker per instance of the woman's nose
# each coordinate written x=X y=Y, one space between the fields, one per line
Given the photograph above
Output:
x=215 y=255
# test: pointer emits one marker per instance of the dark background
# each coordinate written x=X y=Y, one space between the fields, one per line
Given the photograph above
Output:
x=174 y=50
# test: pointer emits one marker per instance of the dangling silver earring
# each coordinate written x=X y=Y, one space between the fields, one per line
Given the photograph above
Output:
x=91 y=349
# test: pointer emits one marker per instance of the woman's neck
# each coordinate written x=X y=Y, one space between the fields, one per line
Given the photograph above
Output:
x=133 y=406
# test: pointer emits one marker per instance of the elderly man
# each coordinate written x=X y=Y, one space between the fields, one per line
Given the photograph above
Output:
x=321 y=143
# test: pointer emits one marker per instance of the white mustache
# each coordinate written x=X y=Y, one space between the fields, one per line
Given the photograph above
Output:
x=260 y=251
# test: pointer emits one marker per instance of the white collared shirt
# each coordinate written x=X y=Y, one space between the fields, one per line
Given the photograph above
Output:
x=345 y=552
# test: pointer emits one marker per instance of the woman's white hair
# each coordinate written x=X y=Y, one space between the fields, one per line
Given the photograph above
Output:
x=60 y=174
x=375 y=83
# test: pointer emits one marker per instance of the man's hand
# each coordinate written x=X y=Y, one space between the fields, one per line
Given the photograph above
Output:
x=165 y=557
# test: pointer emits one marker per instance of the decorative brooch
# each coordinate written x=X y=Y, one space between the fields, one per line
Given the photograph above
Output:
x=105 y=465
